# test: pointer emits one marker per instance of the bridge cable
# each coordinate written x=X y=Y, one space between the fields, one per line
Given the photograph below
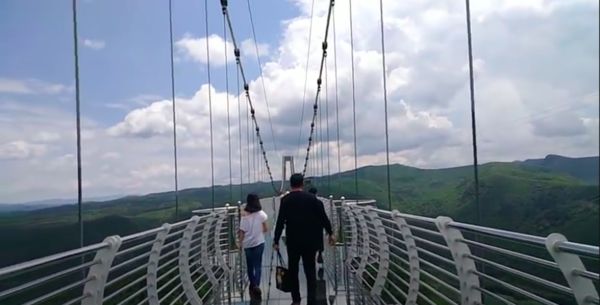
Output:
x=385 y=103
x=239 y=105
x=228 y=112
x=262 y=79
x=337 y=106
x=212 y=151
x=327 y=126
x=319 y=82
x=312 y=15
x=321 y=147
x=174 y=108
x=78 y=130
x=247 y=90
x=353 y=98
x=248 y=167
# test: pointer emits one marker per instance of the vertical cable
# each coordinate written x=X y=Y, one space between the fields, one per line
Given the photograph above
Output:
x=239 y=100
x=248 y=139
x=385 y=103
x=337 y=108
x=174 y=107
x=312 y=13
x=473 y=117
x=228 y=114
x=321 y=147
x=474 y=132
x=353 y=100
x=78 y=131
x=212 y=151
x=327 y=127
x=253 y=153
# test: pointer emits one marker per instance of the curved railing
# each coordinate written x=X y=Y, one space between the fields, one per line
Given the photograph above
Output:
x=182 y=263
x=382 y=257
x=395 y=258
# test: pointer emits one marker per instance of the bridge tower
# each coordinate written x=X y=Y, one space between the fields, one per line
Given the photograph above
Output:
x=284 y=174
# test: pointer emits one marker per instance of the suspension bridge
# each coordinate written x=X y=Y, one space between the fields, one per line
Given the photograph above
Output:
x=381 y=256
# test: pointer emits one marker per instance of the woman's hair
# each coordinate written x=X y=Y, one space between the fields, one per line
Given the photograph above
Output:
x=252 y=203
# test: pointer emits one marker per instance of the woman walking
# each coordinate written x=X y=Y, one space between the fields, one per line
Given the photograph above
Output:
x=253 y=226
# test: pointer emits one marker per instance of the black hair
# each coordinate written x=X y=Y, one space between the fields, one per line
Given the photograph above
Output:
x=296 y=181
x=312 y=190
x=252 y=203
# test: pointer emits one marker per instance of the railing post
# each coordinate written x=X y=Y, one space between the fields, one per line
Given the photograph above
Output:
x=345 y=256
x=334 y=250
x=229 y=247
x=365 y=250
x=413 y=258
x=384 y=253
x=583 y=288
x=98 y=272
x=153 y=260
x=465 y=266
x=184 y=262
x=204 y=249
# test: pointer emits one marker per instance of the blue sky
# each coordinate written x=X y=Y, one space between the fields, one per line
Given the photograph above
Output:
x=135 y=56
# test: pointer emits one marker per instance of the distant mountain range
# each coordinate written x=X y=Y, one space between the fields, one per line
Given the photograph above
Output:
x=48 y=203
x=585 y=169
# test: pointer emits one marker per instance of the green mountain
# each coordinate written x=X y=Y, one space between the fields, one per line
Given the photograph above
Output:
x=584 y=169
x=554 y=194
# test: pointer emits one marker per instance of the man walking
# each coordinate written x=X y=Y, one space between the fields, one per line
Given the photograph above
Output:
x=304 y=218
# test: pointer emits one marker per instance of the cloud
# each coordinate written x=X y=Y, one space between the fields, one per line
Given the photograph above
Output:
x=536 y=90
x=251 y=48
x=93 y=44
x=195 y=49
x=30 y=86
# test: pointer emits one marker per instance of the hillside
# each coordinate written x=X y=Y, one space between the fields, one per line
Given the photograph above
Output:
x=584 y=169
x=550 y=201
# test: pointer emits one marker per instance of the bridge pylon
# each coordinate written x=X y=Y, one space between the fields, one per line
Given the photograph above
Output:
x=284 y=174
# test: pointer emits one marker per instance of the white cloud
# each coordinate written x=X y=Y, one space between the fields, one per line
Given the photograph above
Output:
x=20 y=150
x=196 y=49
x=535 y=62
x=251 y=48
x=93 y=44
x=30 y=86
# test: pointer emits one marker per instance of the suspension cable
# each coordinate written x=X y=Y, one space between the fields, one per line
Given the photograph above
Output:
x=312 y=15
x=319 y=82
x=78 y=130
x=174 y=107
x=239 y=100
x=247 y=90
x=321 y=167
x=385 y=106
x=212 y=151
x=228 y=112
x=327 y=125
x=262 y=79
x=353 y=99
x=337 y=106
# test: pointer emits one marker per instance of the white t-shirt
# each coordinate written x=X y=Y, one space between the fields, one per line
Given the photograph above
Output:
x=252 y=227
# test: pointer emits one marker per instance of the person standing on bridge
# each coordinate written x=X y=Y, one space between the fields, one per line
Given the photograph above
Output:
x=304 y=218
x=313 y=190
x=253 y=225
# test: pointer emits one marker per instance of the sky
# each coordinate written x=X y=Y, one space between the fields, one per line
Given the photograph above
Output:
x=535 y=72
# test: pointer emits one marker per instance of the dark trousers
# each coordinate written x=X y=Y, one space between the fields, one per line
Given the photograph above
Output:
x=309 y=264
x=254 y=263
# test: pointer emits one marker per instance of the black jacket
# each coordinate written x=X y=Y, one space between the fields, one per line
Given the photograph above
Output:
x=304 y=218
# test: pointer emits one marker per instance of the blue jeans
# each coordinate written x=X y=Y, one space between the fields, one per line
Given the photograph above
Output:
x=254 y=263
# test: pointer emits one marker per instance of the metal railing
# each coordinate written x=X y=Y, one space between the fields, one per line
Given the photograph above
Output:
x=181 y=263
x=382 y=257
x=395 y=258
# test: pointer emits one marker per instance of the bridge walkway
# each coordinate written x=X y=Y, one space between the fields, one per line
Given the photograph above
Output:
x=382 y=257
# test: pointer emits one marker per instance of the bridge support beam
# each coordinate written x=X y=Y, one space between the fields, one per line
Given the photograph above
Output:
x=573 y=270
x=184 y=262
x=413 y=258
x=465 y=266
x=384 y=253
x=98 y=273
x=153 y=261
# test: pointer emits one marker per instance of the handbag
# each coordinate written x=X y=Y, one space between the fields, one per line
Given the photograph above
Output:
x=282 y=280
